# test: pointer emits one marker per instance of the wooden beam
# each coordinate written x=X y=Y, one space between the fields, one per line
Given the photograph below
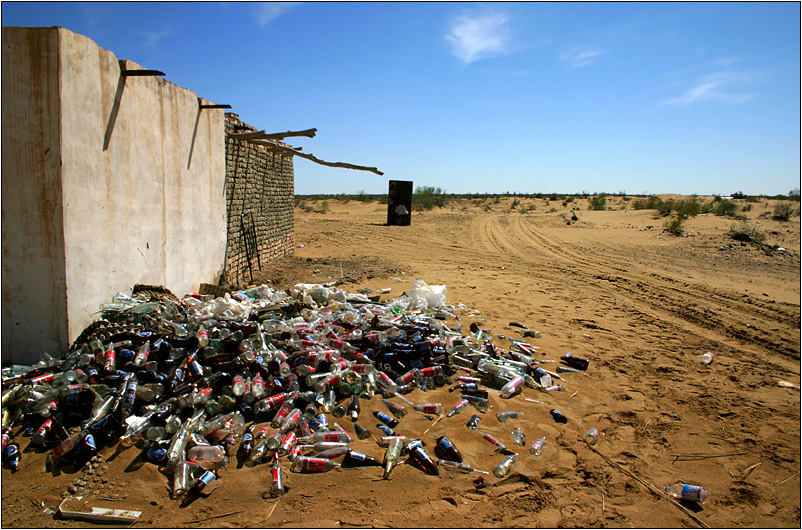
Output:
x=313 y=158
x=262 y=135
x=247 y=136
x=139 y=73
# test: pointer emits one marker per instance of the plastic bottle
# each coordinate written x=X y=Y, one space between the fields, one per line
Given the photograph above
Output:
x=208 y=456
x=518 y=437
x=306 y=464
x=397 y=410
x=592 y=436
x=277 y=486
x=428 y=408
x=458 y=407
x=495 y=442
x=507 y=414
x=503 y=468
x=513 y=387
x=687 y=492
x=537 y=447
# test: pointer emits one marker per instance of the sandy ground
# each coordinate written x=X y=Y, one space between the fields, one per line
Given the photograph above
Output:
x=640 y=304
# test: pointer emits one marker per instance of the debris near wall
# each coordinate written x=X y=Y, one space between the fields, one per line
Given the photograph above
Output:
x=262 y=375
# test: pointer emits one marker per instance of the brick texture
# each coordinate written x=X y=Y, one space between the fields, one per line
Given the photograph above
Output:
x=261 y=185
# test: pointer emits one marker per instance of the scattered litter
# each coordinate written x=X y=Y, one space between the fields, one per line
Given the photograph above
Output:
x=262 y=375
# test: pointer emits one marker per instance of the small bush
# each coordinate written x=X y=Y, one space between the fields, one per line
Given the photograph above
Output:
x=569 y=199
x=675 y=225
x=651 y=203
x=725 y=208
x=783 y=211
x=598 y=202
x=324 y=207
x=515 y=204
x=746 y=231
x=688 y=207
x=427 y=197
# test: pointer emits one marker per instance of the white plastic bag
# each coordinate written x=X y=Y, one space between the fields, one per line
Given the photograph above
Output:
x=427 y=296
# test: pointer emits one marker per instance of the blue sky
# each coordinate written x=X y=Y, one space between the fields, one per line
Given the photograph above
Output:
x=679 y=97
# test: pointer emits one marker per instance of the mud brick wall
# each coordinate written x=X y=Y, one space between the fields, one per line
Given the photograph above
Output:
x=260 y=181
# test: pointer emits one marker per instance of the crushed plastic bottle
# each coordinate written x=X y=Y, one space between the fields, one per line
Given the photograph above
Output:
x=687 y=492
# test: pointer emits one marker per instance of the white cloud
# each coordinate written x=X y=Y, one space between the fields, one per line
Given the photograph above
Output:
x=717 y=86
x=479 y=36
x=153 y=38
x=266 y=12
x=578 y=57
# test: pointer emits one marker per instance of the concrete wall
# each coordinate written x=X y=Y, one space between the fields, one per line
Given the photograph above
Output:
x=135 y=207
x=34 y=304
x=260 y=181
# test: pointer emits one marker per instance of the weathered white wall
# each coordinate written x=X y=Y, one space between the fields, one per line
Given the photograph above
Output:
x=135 y=208
x=34 y=305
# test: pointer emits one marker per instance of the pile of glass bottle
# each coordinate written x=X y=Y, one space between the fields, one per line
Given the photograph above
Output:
x=189 y=381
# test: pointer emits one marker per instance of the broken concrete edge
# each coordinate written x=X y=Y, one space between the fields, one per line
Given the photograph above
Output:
x=98 y=514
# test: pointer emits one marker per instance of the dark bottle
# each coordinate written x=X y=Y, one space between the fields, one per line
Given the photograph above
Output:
x=558 y=416
x=12 y=456
x=473 y=423
x=446 y=450
x=246 y=445
x=418 y=455
x=361 y=432
x=384 y=418
x=354 y=459
x=195 y=490
x=575 y=362
x=353 y=408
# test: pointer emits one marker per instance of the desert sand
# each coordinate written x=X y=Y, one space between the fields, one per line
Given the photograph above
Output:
x=640 y=304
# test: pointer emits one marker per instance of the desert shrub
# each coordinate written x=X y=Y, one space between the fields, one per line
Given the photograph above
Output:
x=665 y=207
x=427 y=197
x=675 y=225
x=515 y=204
x=526 y=208
x=650 y=203
x=552 y=210
x=324 y=207
x=361 y=196
x=598 y=202
x=569 y=199
x=688 y=207
x=783 y=211
x=746 y=208
x=746 y=231
x=724 y=208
